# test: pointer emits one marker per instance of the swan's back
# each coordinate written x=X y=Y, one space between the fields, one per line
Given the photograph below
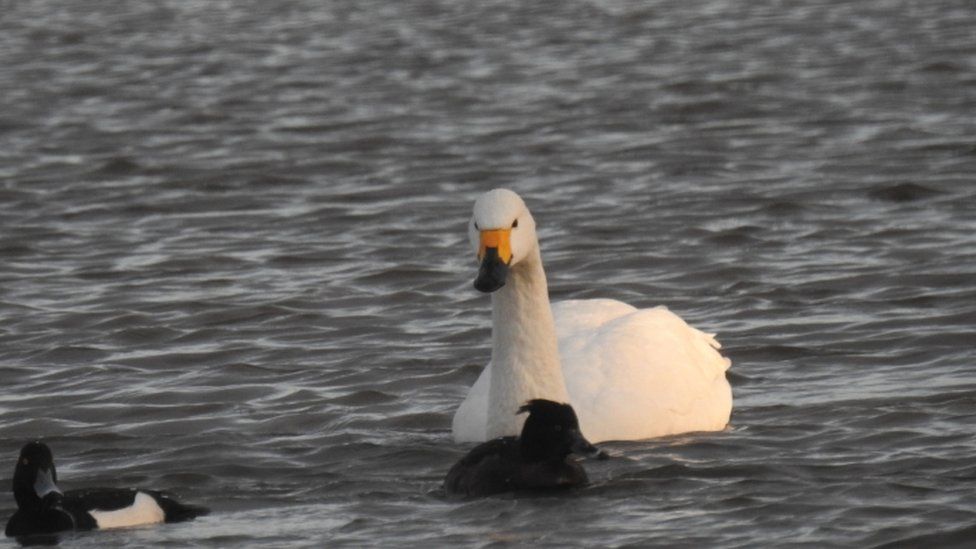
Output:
x=631 y=374
x=634 y=374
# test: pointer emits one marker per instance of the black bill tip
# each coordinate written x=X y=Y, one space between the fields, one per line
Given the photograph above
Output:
x=492 y=272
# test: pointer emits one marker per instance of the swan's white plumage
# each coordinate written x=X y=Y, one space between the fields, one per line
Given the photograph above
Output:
x=640 y=373
x=629 y=373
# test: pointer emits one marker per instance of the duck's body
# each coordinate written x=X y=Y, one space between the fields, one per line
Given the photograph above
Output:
x=100 y=508
x=43 y=509
x=537 y=460
x=629 y=373
x=494 y=467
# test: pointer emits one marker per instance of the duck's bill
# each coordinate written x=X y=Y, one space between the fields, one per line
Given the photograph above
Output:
x=44 y=483
x=492 y=272
x=584 y=448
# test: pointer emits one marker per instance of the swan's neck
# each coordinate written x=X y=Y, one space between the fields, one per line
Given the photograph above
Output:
x=524 y=355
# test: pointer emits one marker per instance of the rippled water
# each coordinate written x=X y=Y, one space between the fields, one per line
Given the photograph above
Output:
x=234 y=267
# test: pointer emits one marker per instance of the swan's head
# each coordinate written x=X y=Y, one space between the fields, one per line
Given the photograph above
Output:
x=502 y=233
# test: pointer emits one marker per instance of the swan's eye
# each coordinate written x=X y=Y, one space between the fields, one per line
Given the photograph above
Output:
x=515 y=224
x=476 y=226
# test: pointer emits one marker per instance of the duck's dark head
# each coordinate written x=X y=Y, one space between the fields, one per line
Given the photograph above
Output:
x=551 y=432
x=35 y=478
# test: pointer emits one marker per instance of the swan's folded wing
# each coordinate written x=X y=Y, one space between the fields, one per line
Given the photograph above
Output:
x=642 y=373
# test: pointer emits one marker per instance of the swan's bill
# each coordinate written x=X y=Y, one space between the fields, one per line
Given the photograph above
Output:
x=492 y=273
x=495 y=253
x=500 y=240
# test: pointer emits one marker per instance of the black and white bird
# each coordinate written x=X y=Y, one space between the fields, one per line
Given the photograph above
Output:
x=42 y=508
x=539 y=459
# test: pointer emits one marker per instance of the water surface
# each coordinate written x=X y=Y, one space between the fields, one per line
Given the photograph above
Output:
x=233 y=260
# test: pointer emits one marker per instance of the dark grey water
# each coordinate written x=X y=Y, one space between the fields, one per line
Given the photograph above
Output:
x=234 y=267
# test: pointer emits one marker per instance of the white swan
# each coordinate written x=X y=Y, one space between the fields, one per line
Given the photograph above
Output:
x=629 y=373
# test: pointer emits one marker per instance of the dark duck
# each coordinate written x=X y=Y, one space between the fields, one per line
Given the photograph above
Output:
x=42 y=508
x=538 y=459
